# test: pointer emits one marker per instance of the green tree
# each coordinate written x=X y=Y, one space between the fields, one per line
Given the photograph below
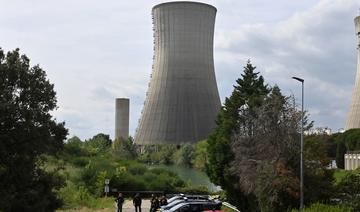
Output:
x=347 y=141
x=27 y=130
x=200 y=155
x=124 y=148
x=249 y=92
x=349 y=189
x=186 y=155
x=74 y=146
x=99 y=143
x=340 y=152
x=265 y=160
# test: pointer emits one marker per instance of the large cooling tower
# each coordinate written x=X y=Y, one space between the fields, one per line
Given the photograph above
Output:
x=353 y=120
x=122 y=111
x=182 y=99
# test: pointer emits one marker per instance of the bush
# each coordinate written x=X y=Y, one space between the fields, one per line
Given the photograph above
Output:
x=194 y=190
x=137 y=169
x=317 y=207
x=79 y=161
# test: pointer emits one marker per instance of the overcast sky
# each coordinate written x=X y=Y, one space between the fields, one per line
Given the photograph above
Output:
x=95 y=51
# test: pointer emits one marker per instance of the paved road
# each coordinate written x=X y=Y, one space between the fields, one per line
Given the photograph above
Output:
x=128 y=206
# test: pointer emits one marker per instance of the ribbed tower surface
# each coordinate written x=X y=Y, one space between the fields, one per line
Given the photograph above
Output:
x=182 y=99
x=353 y=119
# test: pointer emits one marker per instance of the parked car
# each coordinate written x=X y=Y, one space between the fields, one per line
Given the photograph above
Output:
x=196 y=206
x=179 y=201
x=183 y=196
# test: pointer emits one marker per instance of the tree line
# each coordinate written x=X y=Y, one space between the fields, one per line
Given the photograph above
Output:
x=253 y=153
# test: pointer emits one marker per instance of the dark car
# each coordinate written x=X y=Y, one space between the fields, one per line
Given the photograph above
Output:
x=183 y=196
x=196 y=206
x=180 y=201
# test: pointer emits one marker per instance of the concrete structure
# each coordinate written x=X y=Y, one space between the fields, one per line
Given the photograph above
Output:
x=353 y=119
x=122 y=112
x=352 y=160
x=182 y=99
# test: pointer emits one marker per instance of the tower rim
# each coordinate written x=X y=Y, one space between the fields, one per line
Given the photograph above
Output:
x=184 y=2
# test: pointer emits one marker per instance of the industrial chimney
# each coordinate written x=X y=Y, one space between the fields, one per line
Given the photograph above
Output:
x=182 y=101
x=122 y=118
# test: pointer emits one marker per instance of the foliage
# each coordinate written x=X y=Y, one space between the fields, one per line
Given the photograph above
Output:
x=86 y=182
x=265 y=159
x=27 y=131
x=98 y=143
x=169 y=154
x=254 y=151
x=74 y=146
x=200 y=155
x=186 y=155
x=340 y=152
x=349 y=189
x=124 y=148
x=248 y=93
x=339 y=174
x=194 y=190
x=347 y=141
x=78 y=197
x=317 y=207
x=320 y=147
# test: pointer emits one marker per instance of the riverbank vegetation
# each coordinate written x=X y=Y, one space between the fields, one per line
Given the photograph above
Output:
x=86 y=164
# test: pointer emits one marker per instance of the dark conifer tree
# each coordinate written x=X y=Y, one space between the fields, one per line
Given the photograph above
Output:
x=249 y=92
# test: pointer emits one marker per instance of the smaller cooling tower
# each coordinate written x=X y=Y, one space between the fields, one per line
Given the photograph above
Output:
x=122 y=111
x=353 y=119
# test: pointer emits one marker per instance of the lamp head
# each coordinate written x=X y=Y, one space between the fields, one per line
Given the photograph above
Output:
x=298 y=79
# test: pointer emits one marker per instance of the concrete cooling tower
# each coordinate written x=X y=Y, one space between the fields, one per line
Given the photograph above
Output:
x=353 y=119
x=182 y=99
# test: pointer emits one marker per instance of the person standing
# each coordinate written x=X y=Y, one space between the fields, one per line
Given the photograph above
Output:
x=155 y=204
x=119 y=202
x=163 y=201
x=137 y=202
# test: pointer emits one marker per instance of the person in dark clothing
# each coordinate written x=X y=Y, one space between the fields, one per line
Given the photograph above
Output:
x=163 y=201
x=137 y=202
x=155 y=204
x=119 y=202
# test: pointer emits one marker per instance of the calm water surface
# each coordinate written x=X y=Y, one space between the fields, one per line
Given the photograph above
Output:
x=196 y=177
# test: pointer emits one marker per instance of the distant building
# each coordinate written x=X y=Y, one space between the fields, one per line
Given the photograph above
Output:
x=353 y=119
x=182 y=100
x=352 y=160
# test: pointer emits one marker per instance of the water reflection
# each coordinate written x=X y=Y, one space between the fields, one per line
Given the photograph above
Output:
x=196 y=177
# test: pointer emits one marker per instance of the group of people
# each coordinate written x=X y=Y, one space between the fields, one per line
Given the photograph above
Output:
x=155 y=201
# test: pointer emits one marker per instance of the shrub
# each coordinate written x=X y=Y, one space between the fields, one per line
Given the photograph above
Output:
x=317 y=207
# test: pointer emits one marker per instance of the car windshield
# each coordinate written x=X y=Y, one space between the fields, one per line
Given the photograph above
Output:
x=173 y=198
x=177 y=206
x=173 y=204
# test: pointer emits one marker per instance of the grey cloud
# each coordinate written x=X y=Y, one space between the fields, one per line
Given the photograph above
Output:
x=317 y=44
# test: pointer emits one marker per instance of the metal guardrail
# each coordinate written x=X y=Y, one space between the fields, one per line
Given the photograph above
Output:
x=230 y=206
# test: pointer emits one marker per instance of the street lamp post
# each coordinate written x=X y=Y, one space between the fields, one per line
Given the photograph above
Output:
x=302 y=144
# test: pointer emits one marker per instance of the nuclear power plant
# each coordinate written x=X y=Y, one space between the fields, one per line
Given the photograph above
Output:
x=122 y=112
x=182 y=100
x=353 y=119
